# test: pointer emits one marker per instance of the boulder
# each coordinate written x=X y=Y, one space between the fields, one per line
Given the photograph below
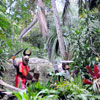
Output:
x=42 y=65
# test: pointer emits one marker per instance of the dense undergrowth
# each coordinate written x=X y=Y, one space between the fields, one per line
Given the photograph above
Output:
x=72 y=89
x=82 y=42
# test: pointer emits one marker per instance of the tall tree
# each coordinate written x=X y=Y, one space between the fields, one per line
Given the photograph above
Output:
x=59 y=33
x=43 y=23
x=40 y=17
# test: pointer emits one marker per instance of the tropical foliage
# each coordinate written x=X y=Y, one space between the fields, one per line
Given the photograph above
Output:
x=71 y=90
x=73 y=34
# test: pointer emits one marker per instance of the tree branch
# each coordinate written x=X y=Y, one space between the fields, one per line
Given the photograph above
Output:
x=26 y=30
x=9 y=86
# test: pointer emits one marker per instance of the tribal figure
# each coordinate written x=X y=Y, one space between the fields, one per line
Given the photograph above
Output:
x=22 y=69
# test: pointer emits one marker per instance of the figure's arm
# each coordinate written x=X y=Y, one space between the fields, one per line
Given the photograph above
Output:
x=14 y=62
x=55 y=68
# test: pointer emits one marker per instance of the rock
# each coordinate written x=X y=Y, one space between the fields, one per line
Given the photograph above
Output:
x=43 y=65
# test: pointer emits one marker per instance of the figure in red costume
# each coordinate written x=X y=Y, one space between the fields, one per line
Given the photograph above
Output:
x=22 y=69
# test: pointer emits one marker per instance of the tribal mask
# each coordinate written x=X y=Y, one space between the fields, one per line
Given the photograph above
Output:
x=25 y=57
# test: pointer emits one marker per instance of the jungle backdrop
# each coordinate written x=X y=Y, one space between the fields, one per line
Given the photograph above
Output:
x=55 y=30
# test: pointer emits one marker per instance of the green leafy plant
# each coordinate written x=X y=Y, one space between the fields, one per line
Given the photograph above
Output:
x=5 y=42
x=95 y=82
x=68 y=90
x=37 y=91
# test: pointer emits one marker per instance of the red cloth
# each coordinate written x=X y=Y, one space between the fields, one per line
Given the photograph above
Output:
x=22 y=78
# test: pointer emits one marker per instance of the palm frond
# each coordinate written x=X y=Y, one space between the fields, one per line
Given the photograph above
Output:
x=53 y=53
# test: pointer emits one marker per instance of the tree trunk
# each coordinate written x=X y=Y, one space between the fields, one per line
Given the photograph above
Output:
x=43 y=23
x=59 y=33
x=42 y=18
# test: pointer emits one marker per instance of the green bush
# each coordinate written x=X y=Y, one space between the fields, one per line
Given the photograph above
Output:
x=72 y=89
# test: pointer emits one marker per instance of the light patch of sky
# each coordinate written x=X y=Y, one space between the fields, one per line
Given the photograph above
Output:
x=60 y=5
x=8 y=10
x=73 y=14
x=74 y=7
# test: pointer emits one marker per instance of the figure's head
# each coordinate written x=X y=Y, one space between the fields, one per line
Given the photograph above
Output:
x=25 y=58
x=65 y=66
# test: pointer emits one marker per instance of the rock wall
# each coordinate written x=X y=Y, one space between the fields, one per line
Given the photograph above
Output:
x=43 y=65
